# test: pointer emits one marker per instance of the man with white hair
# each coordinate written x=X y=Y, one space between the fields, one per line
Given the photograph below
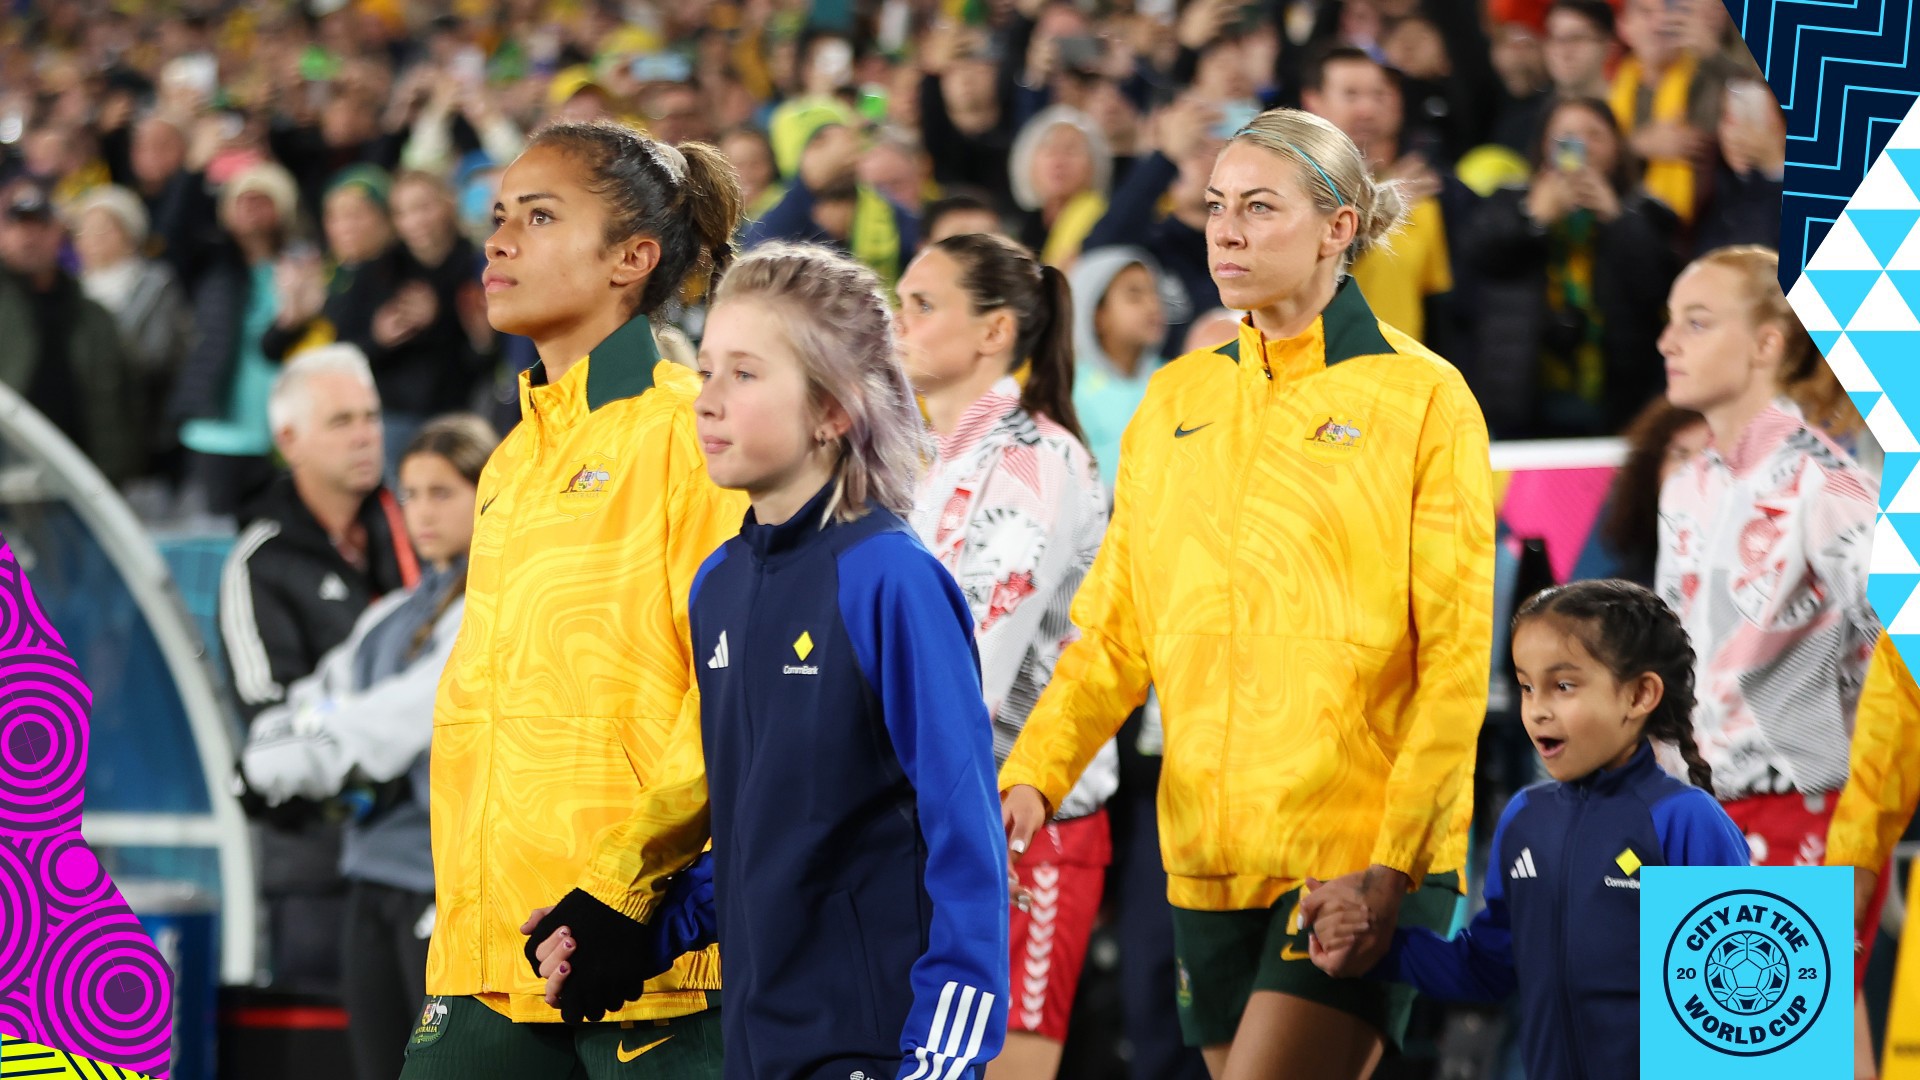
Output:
x=320 y=544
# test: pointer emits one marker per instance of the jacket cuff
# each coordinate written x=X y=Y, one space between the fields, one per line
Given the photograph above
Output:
x=621 y=897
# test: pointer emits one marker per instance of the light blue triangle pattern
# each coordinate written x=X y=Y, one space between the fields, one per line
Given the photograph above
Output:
x=1883 y=230
x=1843 y=290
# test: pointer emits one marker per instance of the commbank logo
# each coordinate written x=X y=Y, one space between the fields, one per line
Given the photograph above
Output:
x=1523 y=866
x=719 y=657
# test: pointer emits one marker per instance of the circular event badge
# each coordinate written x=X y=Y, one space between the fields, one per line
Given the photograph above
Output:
x=1747 y=972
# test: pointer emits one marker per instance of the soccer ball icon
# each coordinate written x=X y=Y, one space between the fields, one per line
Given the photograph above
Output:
x=1747 y=973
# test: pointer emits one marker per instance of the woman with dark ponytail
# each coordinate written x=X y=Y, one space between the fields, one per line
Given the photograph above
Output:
x=563 y=699
x=1605 y=670
x=1013 y=506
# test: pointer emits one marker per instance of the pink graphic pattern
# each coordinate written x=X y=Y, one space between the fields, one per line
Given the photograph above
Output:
x=77 y=970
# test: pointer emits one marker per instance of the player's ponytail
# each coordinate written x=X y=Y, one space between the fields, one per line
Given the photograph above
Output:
x=1631 y=631
x=997 y=273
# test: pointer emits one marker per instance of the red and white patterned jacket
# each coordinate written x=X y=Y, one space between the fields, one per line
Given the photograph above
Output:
x=1764 y=553
x=1012 y=506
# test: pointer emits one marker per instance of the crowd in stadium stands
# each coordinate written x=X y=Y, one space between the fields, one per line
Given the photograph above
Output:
x=240 y=257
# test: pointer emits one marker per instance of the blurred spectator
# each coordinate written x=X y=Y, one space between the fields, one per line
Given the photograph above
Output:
x=1579 y=45
x=63 y=351
x=963 y=121
x=1359 y=96
x=347 y=133
x=442 y=98
x=673 y=113
x=898 y=169
x=827 y=204
x=1062 y=169
x=378 y=299
x=146 y=301
x=221 y=395
x=1119 y=325
x=315 y=549
x=752 y=157
x=1743 y=204
x=1667 y=91
x=1572 y=271
x=959 y=213
x=1626 y=541
x=1189 y=135
x=458 y=340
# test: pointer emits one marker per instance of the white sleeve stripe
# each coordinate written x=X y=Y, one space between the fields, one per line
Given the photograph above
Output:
x=920 y=1055
x=958 y=1029
x=246 y=652
x=980 y=1017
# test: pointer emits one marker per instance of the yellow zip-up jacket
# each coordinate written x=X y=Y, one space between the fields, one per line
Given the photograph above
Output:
x=1883 y=775
x=1300 y=560
x=560 y=705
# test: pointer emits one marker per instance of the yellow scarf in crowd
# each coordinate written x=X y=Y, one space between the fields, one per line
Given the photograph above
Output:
x=1668 y=179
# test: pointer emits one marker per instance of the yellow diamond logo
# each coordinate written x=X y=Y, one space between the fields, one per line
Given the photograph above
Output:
x=803 y=645
x=1628 y=861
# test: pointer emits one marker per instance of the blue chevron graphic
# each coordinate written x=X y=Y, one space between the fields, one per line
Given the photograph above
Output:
x=1846 y=74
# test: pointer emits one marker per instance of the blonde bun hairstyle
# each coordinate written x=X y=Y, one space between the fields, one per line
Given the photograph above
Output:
x=1333 y=173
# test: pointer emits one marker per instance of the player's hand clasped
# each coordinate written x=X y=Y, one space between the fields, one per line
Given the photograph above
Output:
x=1350 y=920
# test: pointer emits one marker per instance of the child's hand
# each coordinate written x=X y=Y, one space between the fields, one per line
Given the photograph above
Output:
x=1339 y=918
x=551 y=954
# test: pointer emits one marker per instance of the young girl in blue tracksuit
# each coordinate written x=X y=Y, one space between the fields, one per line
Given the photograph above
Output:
x=859 y=865
x=1604 y=668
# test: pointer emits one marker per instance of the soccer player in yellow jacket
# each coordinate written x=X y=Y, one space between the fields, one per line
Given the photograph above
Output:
x=1300 y=560
x=558 y=706
x=1883 y=787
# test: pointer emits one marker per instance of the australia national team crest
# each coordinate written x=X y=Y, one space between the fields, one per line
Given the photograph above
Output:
x=432 y=1022
x=1334 y=437
x=1737 y=967
x=586 y=486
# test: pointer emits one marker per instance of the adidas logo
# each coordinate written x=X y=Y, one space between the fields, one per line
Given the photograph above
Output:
x=1523 y=866
x=719 y=657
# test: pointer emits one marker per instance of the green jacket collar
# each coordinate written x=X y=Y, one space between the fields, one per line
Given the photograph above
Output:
x=1350 y=327
x=619 y=367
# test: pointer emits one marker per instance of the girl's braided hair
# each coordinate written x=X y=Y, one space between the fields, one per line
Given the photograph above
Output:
x=1633 y=632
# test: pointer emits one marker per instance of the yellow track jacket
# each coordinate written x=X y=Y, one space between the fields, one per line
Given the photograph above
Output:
x=1883 y=777
x=559 y=705
x=1301 y=561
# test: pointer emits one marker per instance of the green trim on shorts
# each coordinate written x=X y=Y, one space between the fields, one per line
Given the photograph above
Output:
x=456 y=1038
x=1222 y=957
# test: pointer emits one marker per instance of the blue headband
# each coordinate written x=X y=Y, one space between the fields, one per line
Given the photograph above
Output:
x=1304 y=156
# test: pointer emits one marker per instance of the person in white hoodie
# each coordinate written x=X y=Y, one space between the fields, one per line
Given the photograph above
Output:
x=354 y=735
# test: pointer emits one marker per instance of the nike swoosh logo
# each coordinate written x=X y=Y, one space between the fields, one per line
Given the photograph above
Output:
x=626 y=1055
x=489 y=502
x=1182 y=432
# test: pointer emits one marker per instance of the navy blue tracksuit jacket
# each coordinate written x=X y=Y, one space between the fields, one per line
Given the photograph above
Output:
x=860 y=867
x=1562 y=922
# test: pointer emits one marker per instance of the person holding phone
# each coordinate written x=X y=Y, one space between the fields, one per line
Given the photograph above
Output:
x=1744 y=206
x=1573 y=269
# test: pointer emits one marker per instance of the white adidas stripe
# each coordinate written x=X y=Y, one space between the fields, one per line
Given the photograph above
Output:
x=950 y=1027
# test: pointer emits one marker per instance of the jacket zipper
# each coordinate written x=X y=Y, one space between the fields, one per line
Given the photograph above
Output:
x=1233 y=559
x=1560 y=920
x=500 y=633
